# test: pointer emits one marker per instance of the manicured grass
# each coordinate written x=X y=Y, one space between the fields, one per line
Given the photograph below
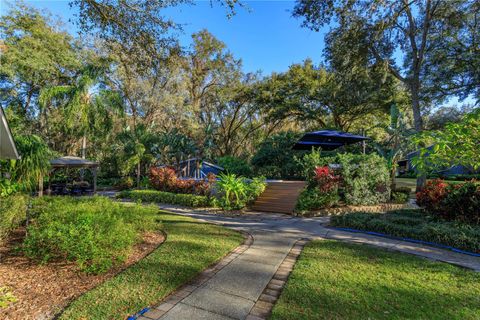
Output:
x=334 y=280
x=190 y=247
x=414 y=224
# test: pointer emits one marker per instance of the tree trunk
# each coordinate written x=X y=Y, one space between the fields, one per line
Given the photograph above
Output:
x=138 y=175
x=40 y=186
x=418 y=124
x=84 y=146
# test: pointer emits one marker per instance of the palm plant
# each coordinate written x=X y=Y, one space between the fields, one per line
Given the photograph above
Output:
x=34 y=163
x=76 y=100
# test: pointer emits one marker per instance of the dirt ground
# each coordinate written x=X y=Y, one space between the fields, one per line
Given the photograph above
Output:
x=42 y=291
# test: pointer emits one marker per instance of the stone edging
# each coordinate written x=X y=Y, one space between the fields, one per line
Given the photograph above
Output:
x=264 y=305
x=178 y=295
x=383 y=207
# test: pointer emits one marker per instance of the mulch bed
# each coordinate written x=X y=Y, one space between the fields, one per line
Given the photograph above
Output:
x=43 y=290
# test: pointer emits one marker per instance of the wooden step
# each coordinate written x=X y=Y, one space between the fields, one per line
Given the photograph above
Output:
x=279 y=196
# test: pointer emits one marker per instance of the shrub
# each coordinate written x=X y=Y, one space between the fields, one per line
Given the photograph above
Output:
x=313 y=199
x=96 y=233
x=13 y=211
x=125 y=183
x=236 y=192
x=165 y=179
x=459 y=202
x=365 y=178
x=326 y=180
x=414 y=224
x=188 y=200
x=462 y=202
x=235 y=165
x=400 y=194
x=309 y=162
x=431 y=195
x=399 y=197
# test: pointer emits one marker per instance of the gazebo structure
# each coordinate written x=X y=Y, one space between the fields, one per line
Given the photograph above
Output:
x=70 y=162
x=8 y=150
x=327 y=140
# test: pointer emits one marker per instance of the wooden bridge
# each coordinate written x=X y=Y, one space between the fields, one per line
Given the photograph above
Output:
x=279 y=196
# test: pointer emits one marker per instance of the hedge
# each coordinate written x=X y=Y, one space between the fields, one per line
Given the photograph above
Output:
x=13 y=210
x=188 y=200
x=414 y=224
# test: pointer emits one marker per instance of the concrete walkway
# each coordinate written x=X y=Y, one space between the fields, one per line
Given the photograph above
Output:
x=232 y=292
x=288 y=226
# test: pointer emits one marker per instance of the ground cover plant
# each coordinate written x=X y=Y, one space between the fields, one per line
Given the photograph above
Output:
x=96 y=233
x=154 y=196
x=190 y=247
x=414 y=224
x=335 y=280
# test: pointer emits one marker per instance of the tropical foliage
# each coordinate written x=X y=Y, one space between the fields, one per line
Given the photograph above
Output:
x=236 y=192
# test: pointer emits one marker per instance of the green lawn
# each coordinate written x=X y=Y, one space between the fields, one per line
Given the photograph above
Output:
x=190 y=247
x=334 y=280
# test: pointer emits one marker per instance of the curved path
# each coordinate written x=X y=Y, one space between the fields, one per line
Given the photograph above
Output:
x=235 y=291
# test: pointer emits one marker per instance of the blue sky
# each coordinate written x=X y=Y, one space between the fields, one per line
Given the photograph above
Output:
x=264 y=36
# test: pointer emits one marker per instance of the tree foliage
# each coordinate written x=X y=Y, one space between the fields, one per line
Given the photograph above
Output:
x=456 y=144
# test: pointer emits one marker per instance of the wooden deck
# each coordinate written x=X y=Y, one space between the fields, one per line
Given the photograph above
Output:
x=279 y=196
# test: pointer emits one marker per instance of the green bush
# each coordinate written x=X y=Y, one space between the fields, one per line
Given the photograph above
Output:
x=313 y=199
x=96 y=233
x=235 y=165
x=414 y=224
x=401 y=194
x=399 y=197
x=13 y=211
x=366 y=179
x=154 y=196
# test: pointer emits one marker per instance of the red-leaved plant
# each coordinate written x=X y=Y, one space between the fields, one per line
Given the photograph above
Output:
x=165 y=179
x=432 y=195
x=326 y=179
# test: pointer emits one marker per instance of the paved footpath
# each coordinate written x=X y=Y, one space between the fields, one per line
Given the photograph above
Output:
x=232 y=292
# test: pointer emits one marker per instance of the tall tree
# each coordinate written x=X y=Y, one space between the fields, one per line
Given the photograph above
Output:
x=380 y=30
x=321 y=97
x=209 y=67
x=34 y=54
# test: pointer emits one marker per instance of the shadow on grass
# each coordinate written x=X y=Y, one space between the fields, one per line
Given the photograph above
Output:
x=346 y=281
x=190 y=247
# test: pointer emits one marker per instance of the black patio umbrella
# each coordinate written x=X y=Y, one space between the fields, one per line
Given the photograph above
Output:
x=327 y=140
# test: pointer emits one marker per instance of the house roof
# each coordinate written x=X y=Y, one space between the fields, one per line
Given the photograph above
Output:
x=327 y=139
x=72 y=162
x=8 y=150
